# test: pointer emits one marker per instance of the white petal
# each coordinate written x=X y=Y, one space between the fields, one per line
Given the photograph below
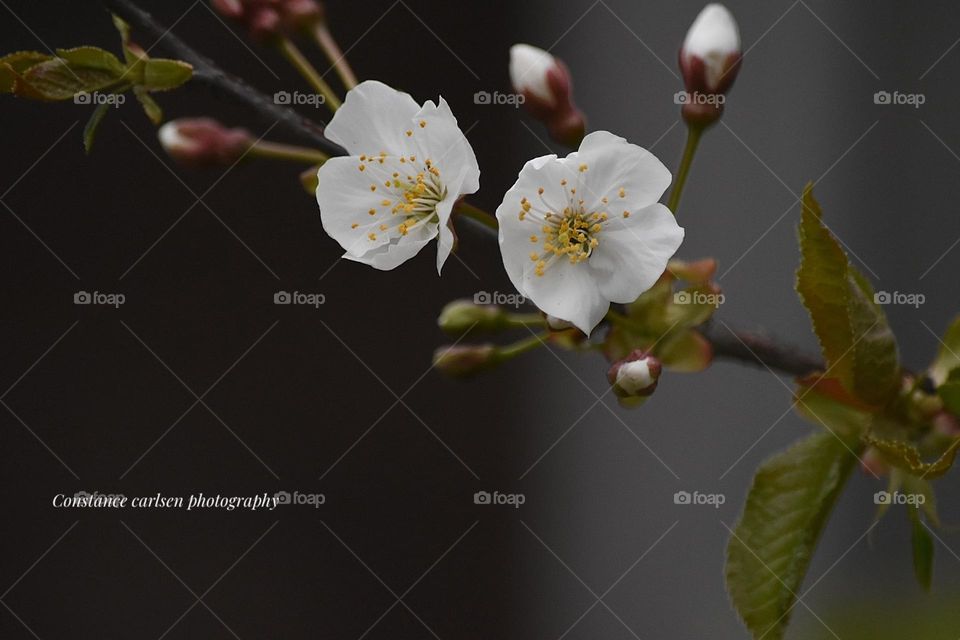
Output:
x=390 y=256
x=569 y=292
x=633 y=252
x=374 y=118
x=614 y=164
x=439 y=138
x=528 y=70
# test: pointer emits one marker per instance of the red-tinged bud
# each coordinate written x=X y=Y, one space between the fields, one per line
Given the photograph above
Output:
x=634 y=378
x=203 y=142
x=268 y=19
x=302 y=14
x=465 y=360
x=709 y=61
x=946 y=424
x=873 y=463
x=547 y=88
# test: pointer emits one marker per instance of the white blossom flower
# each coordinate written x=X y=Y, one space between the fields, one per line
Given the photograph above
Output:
x=394 y=193
x=713 y=41
x=579 y=232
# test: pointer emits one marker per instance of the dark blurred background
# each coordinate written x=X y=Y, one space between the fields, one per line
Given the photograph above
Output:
x=303 y=399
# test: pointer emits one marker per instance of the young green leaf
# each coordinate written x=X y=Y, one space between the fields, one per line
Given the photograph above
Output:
x=906 y=456
x=13 y=65
x=90 y=130
x=150 y=106
x=948 y=355
x=787 y=507
x=922 y=550
x=856 y=340
x=160 y=74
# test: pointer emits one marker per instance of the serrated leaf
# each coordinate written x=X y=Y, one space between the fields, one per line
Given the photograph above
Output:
x=13 y=65
x=922 y=545
x=948 y=355
x=90 y=130
x=847 y=421
x=787 y=507
x=150 y=106
x=57 y=79
x=160 y=74
x=906 y=456
x=854 y=336
x=92 y=58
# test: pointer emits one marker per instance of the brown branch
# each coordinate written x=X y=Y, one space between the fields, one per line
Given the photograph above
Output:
x=731 y=344
x=208 y=73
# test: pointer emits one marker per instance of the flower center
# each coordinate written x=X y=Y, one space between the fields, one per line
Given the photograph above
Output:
x=571 y=232
x=409 y=191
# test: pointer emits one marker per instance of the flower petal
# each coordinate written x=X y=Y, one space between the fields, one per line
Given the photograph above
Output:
x=613 y=164
x=633 y=252
x=389 y=256
x=439 y=138
x=569 y=292
x=374 y=118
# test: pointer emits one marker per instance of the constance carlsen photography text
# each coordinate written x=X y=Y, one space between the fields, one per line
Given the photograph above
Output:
x=414 y=319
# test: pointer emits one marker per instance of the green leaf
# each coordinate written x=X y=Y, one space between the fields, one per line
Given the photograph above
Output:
x=90 y=130
x=686 y=352
x=856 y=340
x=887 y=437
x=787 y=507
x=92 y=58
x=58 y=79
x=949 y=392
x=13 y=65
x=948 y=355
x=160 y=74
x=847 y=422
x=150 y=106
x=922 y=550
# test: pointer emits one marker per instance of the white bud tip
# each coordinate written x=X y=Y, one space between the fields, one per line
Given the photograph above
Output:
x=635 y=376
x=528 y=70
x=171 y=139
x=713 y=33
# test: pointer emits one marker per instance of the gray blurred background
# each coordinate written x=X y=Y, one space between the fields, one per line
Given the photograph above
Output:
x=307 y=400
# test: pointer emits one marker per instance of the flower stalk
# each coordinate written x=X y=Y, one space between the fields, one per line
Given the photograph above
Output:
x=694 y=132
x=324 y=39
x=294 y=153
x=468 y=210
x=296 y=58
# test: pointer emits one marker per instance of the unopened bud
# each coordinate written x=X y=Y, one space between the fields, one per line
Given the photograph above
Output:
x=635 y=377
x=267 y=19
x=461 y=316
x=545 y=83
x=873 y=463
x=203 y=142
x=466 y=360
x=709 y=61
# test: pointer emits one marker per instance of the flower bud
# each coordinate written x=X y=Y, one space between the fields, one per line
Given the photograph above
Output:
x=872 y=463
x=267 y=19
x=203 y=142
x=634 y=378
x=709 y=61
x=461 y=361
x=460 y=316
x=946 y=424
x=545 y=83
